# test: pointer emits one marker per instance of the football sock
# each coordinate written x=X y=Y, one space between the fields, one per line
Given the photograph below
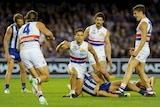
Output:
x=7 y=86
x=141 y=91
x=122 y=87
x=72 y=91
x=40 y=94
x=38 y=80
x=150 y=91
x=23 y=86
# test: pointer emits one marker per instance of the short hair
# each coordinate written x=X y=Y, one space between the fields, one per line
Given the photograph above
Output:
x=139 y=7
x=78 y=30
x=31 y=16
x=99 y=14
x=17 y=16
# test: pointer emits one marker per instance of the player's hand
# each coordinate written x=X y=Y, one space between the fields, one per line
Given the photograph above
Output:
x=131 y=50
x=134 y=53
x=51 y=37
x=96 y=89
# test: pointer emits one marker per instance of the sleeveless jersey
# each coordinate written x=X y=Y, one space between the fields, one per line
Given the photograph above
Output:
x=89 y=84
x=29 y=38
x=78 y=54
x=13 y=42
x=138 y=33
x=97 y=36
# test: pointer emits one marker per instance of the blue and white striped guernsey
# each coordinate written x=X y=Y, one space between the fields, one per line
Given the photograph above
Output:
x=13 y=42
x=89 y=84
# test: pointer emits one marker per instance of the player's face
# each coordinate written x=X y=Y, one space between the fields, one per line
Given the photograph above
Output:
x=79 y=37
x=99 y=21
x=20 y=22
x=137 y=15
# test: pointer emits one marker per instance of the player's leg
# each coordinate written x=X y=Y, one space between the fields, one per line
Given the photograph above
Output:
x=99 y=74
x=36 y=84
x=73 y=79
x=33 y=74
x=133 y=87
x=79 y=86
x=23 y=77
x=115 y=85
x=44 y=74
x=10 y=66
x=152 y=81
x=103 y=66
x=128 y=74
x=105 y=90
x=144 y=78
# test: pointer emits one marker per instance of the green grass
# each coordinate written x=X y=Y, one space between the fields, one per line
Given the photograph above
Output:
x=56 y=87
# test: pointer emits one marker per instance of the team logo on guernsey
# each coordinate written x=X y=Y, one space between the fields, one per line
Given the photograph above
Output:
x=101 y=34
x=82 y=50
x=75 y=48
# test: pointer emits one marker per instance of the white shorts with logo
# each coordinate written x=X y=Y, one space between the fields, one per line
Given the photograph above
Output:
x=33 y=58
x=80 y=68
x=100 y=53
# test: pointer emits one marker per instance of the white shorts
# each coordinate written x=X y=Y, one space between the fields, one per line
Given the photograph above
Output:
x=33 y=58
x=143 y=54
x=80 y=68
x=101 y=56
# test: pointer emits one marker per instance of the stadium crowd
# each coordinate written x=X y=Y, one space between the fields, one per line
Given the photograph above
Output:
x=62 y=18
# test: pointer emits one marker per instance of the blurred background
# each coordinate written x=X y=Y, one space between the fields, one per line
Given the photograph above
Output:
x=62 y=17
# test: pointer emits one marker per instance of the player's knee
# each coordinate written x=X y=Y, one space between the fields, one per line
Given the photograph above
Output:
x=73 y=73
x=47 y=77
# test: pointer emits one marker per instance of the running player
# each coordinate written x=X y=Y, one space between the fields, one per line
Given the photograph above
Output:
x=31 y=53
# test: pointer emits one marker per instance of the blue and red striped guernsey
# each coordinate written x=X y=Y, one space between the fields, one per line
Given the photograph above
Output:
x=29 y=38
x=78 y=60
x=138 y=37
x=96 y=42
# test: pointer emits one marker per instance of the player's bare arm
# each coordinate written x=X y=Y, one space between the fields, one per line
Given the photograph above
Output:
x=63 y=46
x=108 y=50
x=97 y=80
x=86 y=32
x=5 y=42
x=45 y=30
x=90 y=48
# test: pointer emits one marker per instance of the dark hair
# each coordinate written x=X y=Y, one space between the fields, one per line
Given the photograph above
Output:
x=99 y=14
x=139 y=7
x=78 y=30
x=17 y=16
x=31 y=16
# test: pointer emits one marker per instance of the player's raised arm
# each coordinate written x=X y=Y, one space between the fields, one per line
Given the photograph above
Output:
x=62 y=46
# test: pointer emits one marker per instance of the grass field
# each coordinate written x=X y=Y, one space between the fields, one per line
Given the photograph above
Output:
x=56 y=87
